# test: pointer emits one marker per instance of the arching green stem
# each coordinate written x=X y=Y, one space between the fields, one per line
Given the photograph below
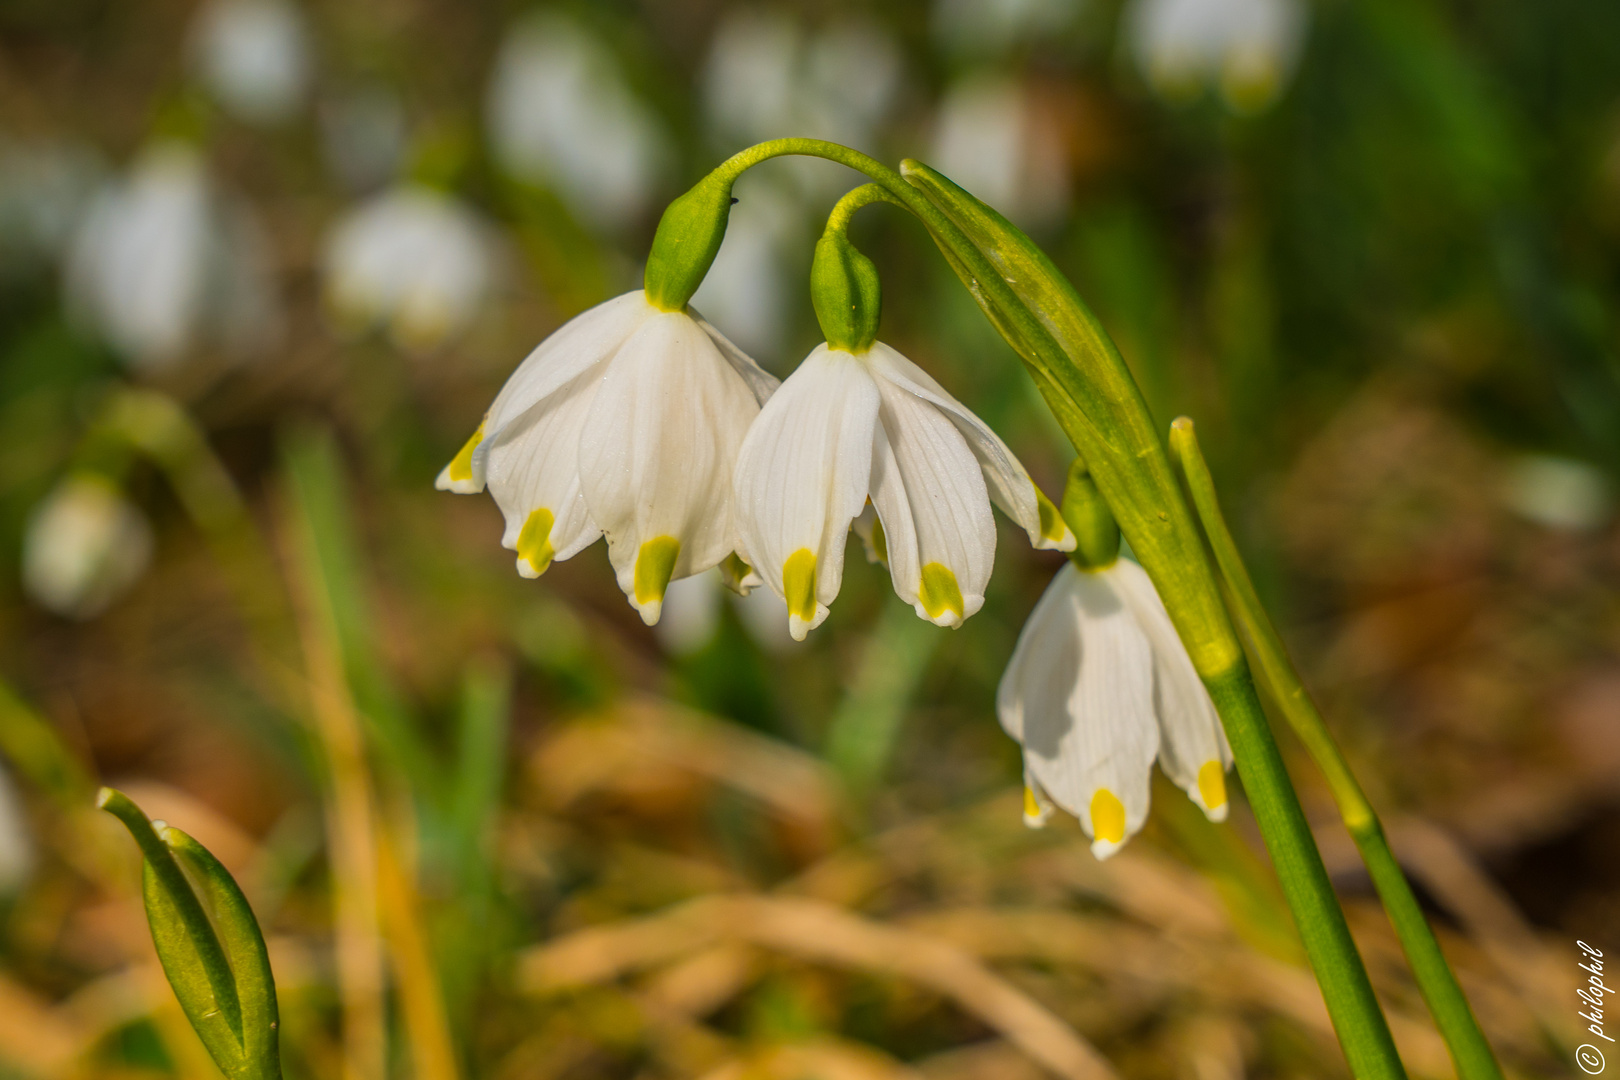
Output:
x=1470 y=1052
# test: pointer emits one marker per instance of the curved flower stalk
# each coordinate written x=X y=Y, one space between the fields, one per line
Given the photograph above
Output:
x=857 y=421
x=1099 y=686
x=626 y=422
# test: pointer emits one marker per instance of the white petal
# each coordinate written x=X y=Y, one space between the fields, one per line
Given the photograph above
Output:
x=929 y=493
x=532 y=468
x=1008 y=482
x=1192 y=751
x=578 y=345
x=657 y=454
x=1079 y=696
x=761 y=383
x=802 y=476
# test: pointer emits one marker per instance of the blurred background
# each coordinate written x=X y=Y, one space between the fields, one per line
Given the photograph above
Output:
x=263 y=264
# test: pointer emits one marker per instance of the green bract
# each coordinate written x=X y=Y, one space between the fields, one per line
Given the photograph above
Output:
x=845 y=290
x=209 y=944
x=687 y=240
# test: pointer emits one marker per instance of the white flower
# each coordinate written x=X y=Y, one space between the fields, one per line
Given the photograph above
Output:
x=1247 y=47
x=254 y=57
x=84 y=547
x=991 y=138
x=363 y=135
x=844 y=428
x=1098 y=686
x=162 y=263
x=625 y=422
x=562 y=115
x=413 y=259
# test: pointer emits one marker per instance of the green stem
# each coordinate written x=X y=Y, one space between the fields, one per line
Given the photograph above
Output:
x=1101 y=410
x=1470 y=1052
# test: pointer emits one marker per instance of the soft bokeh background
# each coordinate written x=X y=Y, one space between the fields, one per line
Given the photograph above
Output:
x=263 y=263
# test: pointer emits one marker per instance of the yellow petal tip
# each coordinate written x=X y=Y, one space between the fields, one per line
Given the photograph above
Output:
x=799 y=590
x=1212 y=790
x=1055 y=532
x=534 y=548
x=1107 y=819
x=940 y=595
x=458 y=476
x=655 y=565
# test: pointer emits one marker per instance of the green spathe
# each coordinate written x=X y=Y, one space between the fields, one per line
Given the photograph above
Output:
x=847 y=295
x=687 y=240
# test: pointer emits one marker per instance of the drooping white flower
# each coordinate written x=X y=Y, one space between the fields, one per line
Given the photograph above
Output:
x=1098 y=686
x=991 y=138
x=85 y=545
x=625 y=422
x=1248 y=48
x=561 y=114
x=163 y=262
x=846 y=427
x=254 y=57
x=411 y=259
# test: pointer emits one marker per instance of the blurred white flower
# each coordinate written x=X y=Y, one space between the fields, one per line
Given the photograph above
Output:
x=1248 y=48
x=253 y=55
x=990 y=138
x=44 y=188
x=162 y=263
x=766 y=77
x=85 y=545
x=991 y=26
x=561 y=114
x=746 y=290
x=1098 y=686
x=765 y=617
x=363 y=136
x=16 y=845
x=1557 y=492
x=414 y=260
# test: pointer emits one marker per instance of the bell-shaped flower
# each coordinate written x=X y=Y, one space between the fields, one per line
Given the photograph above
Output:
x=1247 y=47
x=851 y=426
x=625 y=422
x=85 y=545
x=254 y=56
x=414 y=260
x=1098 y=686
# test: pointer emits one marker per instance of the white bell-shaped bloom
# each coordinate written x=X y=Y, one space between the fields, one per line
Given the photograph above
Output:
x=1246 y=47
x=1098 y=686
x=254 y=57
x=85 y=545
x=417 y=261
x=562 y=114
x=625 y=422
x=845 y=428
x=162 y=263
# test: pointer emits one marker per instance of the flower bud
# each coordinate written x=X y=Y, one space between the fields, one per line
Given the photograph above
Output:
x=687 y=240
x=1095 y=532
x=847 y=295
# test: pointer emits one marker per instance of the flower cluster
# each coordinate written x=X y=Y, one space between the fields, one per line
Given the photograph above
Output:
x=649 y=427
